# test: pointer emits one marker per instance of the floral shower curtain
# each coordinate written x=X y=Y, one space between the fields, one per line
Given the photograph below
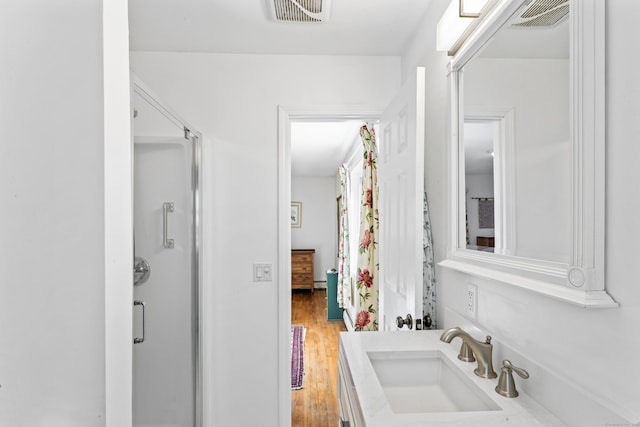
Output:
x=367 y=281
x=344 y=281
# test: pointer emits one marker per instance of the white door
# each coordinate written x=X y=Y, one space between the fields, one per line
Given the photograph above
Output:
x=401 y=186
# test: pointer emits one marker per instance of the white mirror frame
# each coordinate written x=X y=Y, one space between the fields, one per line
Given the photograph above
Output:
x=582 y=282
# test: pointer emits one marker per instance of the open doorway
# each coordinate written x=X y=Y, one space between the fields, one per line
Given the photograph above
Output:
x=318 y=148
x=291 y=186
x=401 y=194
x=489 y=178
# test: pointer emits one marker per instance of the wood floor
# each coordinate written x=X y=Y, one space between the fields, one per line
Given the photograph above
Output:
x=316 y=405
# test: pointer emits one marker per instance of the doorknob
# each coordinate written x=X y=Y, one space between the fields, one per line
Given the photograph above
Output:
x=400 y=322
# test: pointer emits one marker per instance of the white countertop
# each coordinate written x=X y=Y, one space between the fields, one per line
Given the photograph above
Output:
x=376 y=411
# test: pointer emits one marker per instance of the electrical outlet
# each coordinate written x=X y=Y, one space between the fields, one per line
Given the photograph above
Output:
x=472 y=301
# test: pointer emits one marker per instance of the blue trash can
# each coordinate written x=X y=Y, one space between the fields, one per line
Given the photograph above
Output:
x=334 y=312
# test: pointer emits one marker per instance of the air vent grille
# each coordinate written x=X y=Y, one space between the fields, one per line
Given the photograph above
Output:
x=543 y=13
x=300 y=10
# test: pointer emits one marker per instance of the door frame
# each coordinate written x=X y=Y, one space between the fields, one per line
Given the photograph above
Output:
x=503 y=172
x=286 y=115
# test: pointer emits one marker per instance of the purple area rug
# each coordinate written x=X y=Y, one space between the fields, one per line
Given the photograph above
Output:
x=297 y=356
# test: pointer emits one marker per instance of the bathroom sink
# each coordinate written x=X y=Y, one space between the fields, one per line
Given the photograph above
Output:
x=426 y=381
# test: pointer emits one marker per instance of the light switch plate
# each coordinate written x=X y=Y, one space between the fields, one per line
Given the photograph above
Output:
x=262 y=272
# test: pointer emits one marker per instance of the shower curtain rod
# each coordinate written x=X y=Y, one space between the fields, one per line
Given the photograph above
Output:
x=482 y=198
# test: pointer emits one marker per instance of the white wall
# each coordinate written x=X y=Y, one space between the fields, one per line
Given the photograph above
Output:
x=233 y=100
x=319 y=229
x=421 y=52
x=592 y=349
x=118 y=226
x=52 y=252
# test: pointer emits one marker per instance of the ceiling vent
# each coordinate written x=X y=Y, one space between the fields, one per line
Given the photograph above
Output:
x=542 y=13
x=300 y=10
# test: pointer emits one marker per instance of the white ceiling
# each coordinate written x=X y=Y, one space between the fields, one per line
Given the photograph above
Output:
x=318 y=148
x=478 y=146
x=355 y=27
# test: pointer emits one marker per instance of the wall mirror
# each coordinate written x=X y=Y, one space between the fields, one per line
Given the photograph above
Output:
x=527 y=149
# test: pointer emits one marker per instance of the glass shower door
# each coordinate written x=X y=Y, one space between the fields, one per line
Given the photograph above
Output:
x=165 y=314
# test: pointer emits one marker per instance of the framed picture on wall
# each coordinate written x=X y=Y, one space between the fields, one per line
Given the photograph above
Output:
x=296 y=214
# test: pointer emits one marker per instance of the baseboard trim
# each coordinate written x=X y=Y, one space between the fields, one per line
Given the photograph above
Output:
x=320 y=284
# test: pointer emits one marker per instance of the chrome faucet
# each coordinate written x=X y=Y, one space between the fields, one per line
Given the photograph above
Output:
x=481 y=350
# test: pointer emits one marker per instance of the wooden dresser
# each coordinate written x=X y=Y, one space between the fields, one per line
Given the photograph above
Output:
x=302 y=269
x=488 y=242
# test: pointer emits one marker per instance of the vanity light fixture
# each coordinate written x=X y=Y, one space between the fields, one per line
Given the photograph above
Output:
x=457 y=22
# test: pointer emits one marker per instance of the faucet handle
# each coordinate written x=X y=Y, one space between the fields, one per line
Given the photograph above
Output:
x=506 y=385
x=523 y=374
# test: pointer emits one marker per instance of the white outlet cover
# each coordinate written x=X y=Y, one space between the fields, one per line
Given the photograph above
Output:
x=471 y=301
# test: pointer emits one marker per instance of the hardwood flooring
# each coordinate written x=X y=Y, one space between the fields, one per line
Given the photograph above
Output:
x=316 y=405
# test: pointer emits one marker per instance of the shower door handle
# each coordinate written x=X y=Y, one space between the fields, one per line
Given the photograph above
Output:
x=166 y=241
x=140 y=340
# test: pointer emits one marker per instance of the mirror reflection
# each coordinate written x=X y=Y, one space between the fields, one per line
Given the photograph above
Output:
x=479 y=184
x=524 y=69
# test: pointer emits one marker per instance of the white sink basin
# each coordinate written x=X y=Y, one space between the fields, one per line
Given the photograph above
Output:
x=426 y=381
